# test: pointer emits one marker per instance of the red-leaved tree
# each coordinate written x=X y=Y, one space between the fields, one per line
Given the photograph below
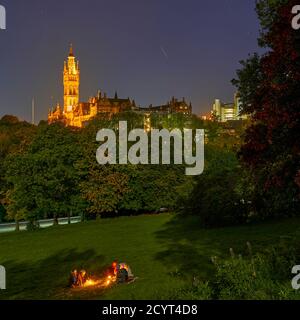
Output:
x=269 y=87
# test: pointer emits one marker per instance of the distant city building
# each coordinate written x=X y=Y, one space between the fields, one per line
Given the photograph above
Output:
x=77 y=114
x=224 y=112
x=173 y=106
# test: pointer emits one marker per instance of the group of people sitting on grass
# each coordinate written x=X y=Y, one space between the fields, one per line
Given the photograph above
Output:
x=78 y=278
x=121 y=272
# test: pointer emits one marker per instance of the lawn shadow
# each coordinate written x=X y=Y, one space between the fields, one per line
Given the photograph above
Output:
x=48 y=278
x=188 y=248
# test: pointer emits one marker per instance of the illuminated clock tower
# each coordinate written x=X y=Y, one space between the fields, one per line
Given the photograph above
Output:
x=71 y=83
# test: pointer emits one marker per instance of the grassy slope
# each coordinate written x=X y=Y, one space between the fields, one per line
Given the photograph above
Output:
x=164 y=251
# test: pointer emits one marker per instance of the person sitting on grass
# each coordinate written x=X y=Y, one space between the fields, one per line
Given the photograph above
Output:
x=123 y=272
x=73 y=282
x=82 y=277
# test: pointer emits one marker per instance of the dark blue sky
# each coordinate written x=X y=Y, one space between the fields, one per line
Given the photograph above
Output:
x=149 y=50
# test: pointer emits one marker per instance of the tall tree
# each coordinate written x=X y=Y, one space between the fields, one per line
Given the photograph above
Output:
x=44 y=180
x=15 y=137
x=101 y=187
x=269 y=86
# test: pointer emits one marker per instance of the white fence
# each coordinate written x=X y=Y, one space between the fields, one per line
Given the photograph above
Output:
x=8 y=227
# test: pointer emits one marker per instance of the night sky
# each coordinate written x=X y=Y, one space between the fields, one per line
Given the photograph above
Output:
x=149 y=50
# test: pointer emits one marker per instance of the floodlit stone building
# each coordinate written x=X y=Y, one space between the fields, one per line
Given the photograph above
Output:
x=77 y=114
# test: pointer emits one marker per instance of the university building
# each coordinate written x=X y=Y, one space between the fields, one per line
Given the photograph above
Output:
x=77 y=114
x=224 y=112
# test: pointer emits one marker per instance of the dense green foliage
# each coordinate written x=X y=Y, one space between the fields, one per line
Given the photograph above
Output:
x=57 y=174
x=15 y=137
x=44 y=180
x=262 y=276
x=269 y=87
x=119 y=189
x=217 y=196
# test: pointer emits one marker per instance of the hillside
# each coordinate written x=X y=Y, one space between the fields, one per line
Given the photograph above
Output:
x=164 y=251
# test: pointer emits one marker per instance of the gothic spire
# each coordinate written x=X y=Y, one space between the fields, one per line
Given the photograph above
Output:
x=71 y=54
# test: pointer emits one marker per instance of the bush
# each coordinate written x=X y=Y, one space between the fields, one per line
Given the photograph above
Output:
x=217 y=196
x=264 y=276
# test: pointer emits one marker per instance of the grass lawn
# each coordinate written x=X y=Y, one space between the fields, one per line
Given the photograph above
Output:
x=164 y=252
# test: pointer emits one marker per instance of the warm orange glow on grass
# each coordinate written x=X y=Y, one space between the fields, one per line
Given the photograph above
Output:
x=91 y=283
x=105 y=282
x=82 y=280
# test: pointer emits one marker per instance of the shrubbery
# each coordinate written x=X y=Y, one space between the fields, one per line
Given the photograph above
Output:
x=57 y=175
x=220 y=196
x=263 y=276
x=268 y=87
